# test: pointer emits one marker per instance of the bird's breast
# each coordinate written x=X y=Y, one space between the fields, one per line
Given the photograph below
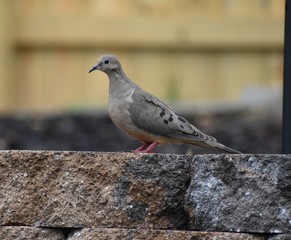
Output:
x=118 y=109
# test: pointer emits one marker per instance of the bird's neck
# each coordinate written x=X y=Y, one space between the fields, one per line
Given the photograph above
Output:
x=116 y=75
x=118 y=82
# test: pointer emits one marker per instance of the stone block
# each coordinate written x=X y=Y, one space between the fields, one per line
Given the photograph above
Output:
x=30 y=233
x=286 y=236
x=240 y=193
x=143 y=234
x=90 y=189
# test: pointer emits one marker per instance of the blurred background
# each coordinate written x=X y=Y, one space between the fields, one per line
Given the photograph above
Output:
x=217 y=62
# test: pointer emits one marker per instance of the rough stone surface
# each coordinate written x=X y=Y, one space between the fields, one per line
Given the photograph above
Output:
x=86 y=189
x=30 y=233
x=144 y=196
x=240 y=193
x=128 y=234
x=286 y=236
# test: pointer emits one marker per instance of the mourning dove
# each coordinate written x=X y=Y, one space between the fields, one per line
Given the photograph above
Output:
x=145 y=117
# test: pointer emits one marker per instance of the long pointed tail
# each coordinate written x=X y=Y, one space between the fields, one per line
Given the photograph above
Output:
x=223 y=148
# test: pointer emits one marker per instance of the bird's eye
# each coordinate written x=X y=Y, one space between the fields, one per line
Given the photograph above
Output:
x=106 y=61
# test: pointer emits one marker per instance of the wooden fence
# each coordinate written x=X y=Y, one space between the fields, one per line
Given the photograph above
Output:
x=178 y=49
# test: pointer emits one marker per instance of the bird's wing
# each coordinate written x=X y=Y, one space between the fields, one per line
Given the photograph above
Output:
x=154 y=116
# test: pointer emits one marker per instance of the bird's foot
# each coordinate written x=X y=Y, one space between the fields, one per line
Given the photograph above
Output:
x=146 y=148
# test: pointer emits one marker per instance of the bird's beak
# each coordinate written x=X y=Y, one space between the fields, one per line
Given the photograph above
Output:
x=93 y=68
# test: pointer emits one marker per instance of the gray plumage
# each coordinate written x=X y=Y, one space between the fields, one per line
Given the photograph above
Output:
x=144 y=116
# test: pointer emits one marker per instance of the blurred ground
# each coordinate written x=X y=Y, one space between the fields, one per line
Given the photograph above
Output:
x=246 y=131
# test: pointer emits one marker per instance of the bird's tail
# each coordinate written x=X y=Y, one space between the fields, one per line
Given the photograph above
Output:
x=223 y=148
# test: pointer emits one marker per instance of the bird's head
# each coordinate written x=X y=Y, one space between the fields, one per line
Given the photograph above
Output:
x=106 y=63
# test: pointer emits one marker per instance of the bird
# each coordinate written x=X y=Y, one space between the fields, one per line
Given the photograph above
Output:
x=146 y=118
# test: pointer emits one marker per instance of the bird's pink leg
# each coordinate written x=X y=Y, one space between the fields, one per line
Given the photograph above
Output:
x=146 y=148
x=141 y=148
x=150 y=147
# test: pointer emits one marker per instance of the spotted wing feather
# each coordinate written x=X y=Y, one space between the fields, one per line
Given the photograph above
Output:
x=158 y=118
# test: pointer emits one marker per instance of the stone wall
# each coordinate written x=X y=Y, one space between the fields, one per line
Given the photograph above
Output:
x=95 y=195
